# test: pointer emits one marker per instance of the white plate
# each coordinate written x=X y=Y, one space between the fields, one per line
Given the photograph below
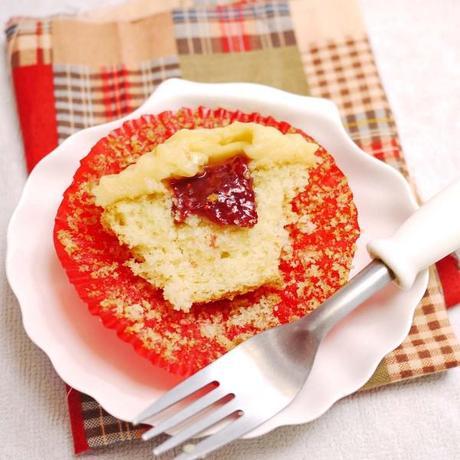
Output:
x=93 y=360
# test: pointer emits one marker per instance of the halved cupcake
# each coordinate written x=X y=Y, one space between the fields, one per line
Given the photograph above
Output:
x=189 y=232
x=204 y=213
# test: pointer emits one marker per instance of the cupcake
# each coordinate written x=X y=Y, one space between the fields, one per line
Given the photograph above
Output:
x=189 y=232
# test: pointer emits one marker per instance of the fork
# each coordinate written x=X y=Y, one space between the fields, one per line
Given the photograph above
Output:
x=260 y=377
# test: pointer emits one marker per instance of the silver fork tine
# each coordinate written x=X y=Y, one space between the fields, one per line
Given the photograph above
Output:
x=173 y=396
x=233 y=431
x=194 y=408
x=201 y=425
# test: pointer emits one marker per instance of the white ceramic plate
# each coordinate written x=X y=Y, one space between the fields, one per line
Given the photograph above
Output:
x=93 y=360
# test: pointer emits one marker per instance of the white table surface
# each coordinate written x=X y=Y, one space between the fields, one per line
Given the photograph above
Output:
x=417 y=48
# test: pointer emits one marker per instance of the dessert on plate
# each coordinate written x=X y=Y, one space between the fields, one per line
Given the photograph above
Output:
x=189 y=232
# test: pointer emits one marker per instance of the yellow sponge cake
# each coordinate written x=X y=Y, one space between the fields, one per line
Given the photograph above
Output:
x=201 y=258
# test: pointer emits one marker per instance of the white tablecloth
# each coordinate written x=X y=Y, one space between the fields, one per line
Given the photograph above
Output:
x=418 y=53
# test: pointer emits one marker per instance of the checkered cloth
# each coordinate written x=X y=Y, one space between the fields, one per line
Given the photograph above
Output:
x=73 y=72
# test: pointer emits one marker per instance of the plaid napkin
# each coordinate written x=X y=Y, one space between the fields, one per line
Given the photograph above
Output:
x=73 y=72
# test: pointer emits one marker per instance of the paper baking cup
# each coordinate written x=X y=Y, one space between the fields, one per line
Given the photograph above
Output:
x=323 y=245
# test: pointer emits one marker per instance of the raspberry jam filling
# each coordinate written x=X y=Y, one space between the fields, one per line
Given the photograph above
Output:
x=223 y=193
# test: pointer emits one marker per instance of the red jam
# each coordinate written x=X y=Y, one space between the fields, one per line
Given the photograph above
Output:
x=223 y=193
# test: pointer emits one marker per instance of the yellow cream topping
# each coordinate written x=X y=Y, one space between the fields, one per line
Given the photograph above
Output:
x=186 y=152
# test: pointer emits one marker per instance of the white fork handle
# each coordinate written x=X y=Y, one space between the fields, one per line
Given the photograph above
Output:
x=428 y=235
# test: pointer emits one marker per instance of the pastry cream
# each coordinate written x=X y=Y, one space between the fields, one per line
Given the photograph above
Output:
x=187 y=151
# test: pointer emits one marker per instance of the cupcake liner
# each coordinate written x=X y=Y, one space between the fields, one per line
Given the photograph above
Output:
x=317 y=265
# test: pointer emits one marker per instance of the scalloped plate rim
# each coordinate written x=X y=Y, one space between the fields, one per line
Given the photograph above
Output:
x=168 y=94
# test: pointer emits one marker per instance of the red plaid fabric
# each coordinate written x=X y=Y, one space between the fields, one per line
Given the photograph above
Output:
x=233 y=28
x=85 y=96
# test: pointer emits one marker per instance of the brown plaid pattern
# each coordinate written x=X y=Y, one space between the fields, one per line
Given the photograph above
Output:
x=375 y=132
x=430 y=346
x=29 y=41
x=103 y=429
x=346 y=73
x=234 y=28
x=86 y=96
